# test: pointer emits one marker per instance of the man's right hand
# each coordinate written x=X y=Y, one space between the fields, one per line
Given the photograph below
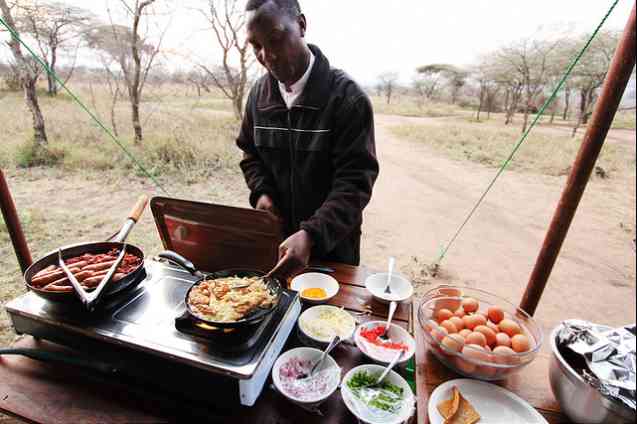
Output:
x=265 y=203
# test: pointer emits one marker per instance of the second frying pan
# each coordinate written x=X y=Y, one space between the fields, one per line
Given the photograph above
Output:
x=254 y=317
x=130 y=279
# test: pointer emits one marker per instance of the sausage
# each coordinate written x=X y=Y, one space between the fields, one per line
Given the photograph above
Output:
x=99 y=266
x=61 y=282
x=62 y=289
x=94 y=281
x=46 y=271
x=51 y=277
x=83 y=275
x=80 y=264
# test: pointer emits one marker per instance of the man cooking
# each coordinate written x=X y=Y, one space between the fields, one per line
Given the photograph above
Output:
x=308 y=141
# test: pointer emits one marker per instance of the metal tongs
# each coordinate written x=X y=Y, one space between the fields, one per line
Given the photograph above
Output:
x=91 y=299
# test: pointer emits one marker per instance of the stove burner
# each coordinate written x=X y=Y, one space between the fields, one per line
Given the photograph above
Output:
x=227 y=340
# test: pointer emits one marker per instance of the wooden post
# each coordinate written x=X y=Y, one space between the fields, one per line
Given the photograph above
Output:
x=616 y=81
x=13 y=225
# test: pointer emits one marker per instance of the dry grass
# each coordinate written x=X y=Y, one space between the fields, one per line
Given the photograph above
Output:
x=181 y=138
x=625 y=120
x=409 y=106
x=490 y=145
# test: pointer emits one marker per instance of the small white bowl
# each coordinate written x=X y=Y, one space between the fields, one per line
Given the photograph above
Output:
x=406 y=411
x=378 y=354
x=315 y=280
x=401 y=288
x=305 y=354
x=314 y=313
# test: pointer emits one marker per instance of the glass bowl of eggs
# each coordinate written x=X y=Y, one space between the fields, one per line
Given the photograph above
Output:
x=478 y=334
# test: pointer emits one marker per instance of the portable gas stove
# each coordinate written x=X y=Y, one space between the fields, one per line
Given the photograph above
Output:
x=146 y=336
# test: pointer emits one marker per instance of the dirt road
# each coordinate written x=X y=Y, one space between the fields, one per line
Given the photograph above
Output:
x=421 y=198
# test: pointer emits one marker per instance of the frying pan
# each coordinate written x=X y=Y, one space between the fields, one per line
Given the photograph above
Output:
x=131 y=278
x=256 y=316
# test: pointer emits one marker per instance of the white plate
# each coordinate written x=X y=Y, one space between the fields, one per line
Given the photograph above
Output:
x=493 y=403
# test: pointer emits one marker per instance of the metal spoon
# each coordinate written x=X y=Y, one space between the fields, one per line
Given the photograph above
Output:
x=335 y=342
x=392 y=309
x=391 y=365
x=390 y=271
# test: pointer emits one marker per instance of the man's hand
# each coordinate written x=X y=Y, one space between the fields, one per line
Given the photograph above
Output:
x=294 y=255
x=265 y=203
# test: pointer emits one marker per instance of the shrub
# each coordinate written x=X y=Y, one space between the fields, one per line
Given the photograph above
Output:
x=11 y=81
x=31 y=153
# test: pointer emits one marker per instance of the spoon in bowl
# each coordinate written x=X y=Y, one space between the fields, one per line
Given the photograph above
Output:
x=391 y=365
x=390 y=271
x=392 y=310
x=335 y=342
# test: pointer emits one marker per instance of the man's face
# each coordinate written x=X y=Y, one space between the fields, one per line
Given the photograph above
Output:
x=277 y=40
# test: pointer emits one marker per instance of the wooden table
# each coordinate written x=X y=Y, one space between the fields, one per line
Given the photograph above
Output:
x=51 y=393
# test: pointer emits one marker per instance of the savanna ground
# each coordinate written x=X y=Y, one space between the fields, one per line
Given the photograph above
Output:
x=435 y=162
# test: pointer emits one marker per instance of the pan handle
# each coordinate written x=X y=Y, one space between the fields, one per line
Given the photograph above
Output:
x=139 y=208
x=133 y=218
x=176 y=259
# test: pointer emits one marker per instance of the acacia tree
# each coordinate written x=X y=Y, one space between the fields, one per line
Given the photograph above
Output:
x=530 y=61
x=54 y=26
x=590 y=73
x=132 y=54
x=29 y=72
x=486 y=78
x=387 y=83
x=227 y=21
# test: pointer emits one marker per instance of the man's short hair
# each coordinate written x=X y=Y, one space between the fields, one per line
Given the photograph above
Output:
x=290 y=7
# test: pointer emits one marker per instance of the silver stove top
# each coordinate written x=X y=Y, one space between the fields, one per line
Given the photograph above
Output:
x=146 y=322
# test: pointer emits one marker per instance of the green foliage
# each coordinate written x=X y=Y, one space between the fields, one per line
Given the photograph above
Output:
x=30 y=154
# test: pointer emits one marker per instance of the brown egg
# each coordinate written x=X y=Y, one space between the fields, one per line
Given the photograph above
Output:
x=453 y=342
x=458 y=322
x=520 y=343
x=465 y=332
x=475 y=352
x=509 y=327
x=495 y=314
x=503 y=339
x=493 y=326
x=472 y=321
x=476 y=339
x=443 y=315
x=460 y=313
x=449 y=326
x=489 y=334
x=439 y=333
x=504 y=355
x=470 y=304
x=464 y=366
x=430 y=325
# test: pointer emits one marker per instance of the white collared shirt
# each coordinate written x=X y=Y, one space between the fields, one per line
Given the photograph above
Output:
x=297 y=88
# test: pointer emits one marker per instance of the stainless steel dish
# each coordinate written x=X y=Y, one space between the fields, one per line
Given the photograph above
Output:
x=578 y=399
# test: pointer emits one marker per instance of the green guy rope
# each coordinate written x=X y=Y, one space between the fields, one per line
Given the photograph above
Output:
x=526 y=133
x=49 y=71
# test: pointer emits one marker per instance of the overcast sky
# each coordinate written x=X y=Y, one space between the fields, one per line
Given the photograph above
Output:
x=369 y=37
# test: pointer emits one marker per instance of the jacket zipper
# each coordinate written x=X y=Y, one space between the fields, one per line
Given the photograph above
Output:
x=292 y=168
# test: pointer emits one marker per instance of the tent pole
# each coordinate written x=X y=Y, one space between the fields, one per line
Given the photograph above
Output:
x=13 y=225
x=617 y=79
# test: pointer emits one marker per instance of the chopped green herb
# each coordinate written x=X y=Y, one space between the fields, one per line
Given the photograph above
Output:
x=384 y=396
